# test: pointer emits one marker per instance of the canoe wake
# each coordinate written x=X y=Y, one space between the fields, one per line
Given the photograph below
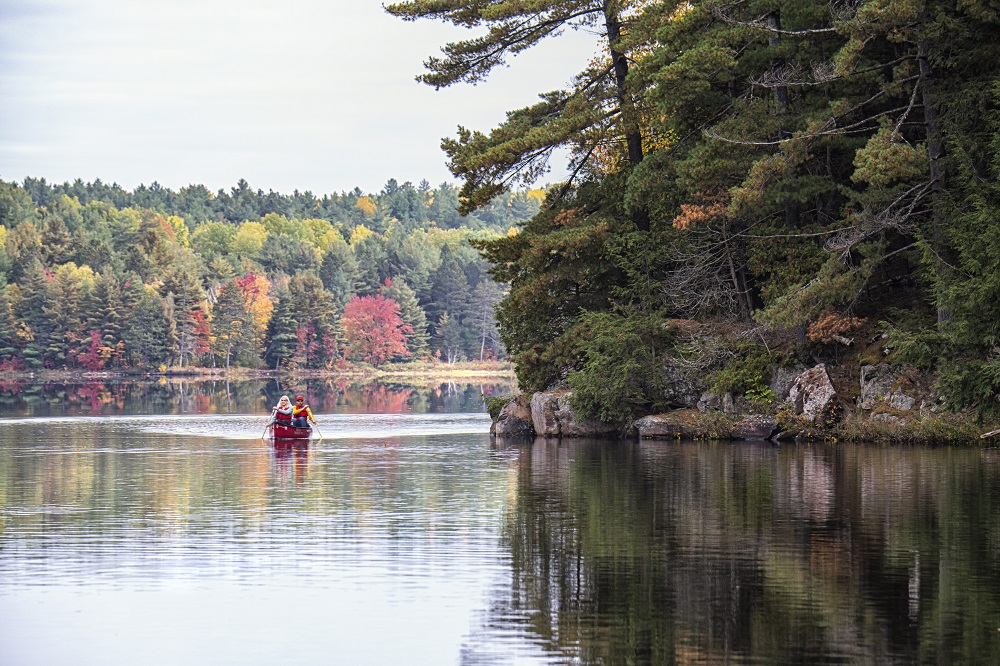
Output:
x=251 y=426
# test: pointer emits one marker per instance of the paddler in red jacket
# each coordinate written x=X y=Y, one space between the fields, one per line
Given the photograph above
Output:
x=301 y=413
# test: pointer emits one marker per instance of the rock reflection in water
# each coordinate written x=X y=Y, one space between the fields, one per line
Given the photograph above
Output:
x=656 y=553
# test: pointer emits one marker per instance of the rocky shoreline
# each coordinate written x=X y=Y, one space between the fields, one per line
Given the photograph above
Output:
x=893 y=403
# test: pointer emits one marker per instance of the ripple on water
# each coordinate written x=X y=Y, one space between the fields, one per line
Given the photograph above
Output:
x=251 y=426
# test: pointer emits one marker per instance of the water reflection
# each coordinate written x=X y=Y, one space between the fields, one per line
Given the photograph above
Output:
x=411 y=538
x=191 y=396
x=698 y=553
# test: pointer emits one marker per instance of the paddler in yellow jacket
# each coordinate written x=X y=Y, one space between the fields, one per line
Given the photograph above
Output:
x=301 y=413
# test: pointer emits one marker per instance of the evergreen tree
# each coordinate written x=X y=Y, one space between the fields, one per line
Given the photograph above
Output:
x=107 y=312
x=56 y=242
x=147 y=334
x=189 y=314
x=600 y=109
x=38 y=327
x=449 y=290
x=411 y=313
x=64 y=312
x=316 y=315
x=231 y=323
x=339 y=272
x=11 y=342
x=448 y=338
x=281 y=337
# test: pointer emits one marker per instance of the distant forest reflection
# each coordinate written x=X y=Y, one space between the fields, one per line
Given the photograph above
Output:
x=183 y=396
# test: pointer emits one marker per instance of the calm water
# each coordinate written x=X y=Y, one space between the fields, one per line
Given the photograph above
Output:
x=408 y=537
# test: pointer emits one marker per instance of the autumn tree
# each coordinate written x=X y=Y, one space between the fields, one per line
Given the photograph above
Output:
x=230 y=322
x=373 y=330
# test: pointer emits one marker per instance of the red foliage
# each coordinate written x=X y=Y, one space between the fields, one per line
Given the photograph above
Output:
x=249 y=286
x=92 y=359
x=373 y=330
x=12 y=365
x=93 y=393
x=202 y=331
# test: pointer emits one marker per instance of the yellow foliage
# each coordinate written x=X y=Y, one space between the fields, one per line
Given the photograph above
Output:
x=82 y=275
x=249 y=239
x=3 y=236
x=259 y=305
x=538 y=194
x=180 y=230
x=318 y=229
x=329 y=239
x=366 y=206
x=360 y=233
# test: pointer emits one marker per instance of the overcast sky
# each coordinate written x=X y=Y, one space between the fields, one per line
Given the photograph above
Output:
x=294 y=94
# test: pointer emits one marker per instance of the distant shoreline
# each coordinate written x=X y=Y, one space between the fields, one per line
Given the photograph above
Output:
x=418 y=370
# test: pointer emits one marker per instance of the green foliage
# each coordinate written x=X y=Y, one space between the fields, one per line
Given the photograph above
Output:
x=745 y=373
x=782 y=262
x=622 y=370
x=887 y=159
x=495 y=404
x=596 y=113
x=835 y=285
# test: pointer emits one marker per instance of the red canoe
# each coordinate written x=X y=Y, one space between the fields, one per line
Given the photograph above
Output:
x=281 y=431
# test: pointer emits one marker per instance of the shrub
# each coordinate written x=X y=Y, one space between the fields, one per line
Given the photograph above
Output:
x=622 y=371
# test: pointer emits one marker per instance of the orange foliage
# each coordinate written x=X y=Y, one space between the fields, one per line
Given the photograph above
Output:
x=566 y=217
x=255 y=288
x=708 y=207
x=831 y=326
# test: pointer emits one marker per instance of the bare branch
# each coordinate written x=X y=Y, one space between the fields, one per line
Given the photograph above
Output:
x=897 y=216
x=761 y=23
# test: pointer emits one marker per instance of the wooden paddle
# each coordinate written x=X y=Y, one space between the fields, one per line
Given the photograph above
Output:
x=316 y=425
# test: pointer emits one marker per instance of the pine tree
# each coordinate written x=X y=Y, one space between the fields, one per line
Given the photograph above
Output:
x=281 y=337
x=448 y=338
x=11 y=343
x=599 y=110
x=38 y=327
x=231 y=322
x=449 y=290
x=411 y=313
x=147 y=335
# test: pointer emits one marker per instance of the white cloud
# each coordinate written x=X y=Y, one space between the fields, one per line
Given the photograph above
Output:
x=299 y=94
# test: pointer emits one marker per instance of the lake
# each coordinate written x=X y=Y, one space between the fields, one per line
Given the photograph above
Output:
x=149 y=523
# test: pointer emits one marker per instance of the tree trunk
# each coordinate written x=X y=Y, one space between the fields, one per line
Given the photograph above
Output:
x=626 y=106
x=630 y=124
x=935 y=151
x=773 y=21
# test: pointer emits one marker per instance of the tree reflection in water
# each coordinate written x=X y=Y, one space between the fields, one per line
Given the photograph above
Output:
x=88 y=397
x=658 y=553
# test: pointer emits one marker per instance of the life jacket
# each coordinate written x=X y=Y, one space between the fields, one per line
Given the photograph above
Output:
x=300 y=412
x=283 y=416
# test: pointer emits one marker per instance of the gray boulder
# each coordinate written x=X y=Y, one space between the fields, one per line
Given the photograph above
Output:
x=661 y=426
x=884 y=383
x=683 y=385
x=755 y=426
x=514 y=419
x=552 y=416
x=812 y=395
x=782 y=380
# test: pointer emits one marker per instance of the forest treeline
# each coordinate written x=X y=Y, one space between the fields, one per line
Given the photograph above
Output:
x=95 y=277
x=789 y=175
